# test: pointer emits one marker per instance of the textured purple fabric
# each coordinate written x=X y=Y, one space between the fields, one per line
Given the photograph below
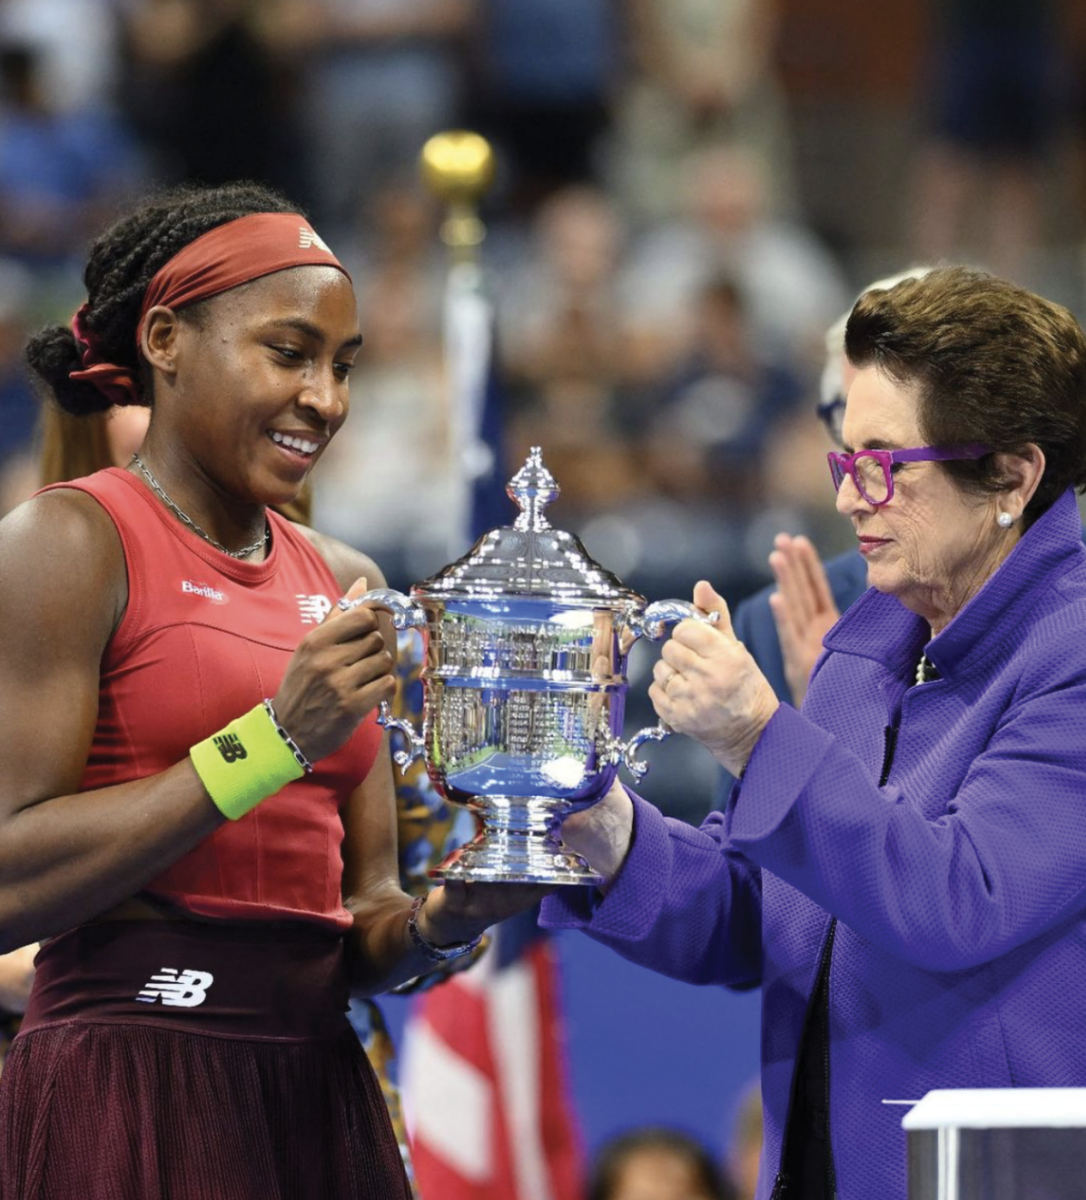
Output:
x=960 y=886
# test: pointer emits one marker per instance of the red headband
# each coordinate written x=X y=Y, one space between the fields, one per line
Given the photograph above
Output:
x=223 y=258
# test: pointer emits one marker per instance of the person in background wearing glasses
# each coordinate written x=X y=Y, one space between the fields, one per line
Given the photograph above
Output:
x=902 y=865
x=783 y=624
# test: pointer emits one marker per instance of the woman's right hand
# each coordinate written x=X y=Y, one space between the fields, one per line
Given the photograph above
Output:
x=338 y=674
x=707 y=685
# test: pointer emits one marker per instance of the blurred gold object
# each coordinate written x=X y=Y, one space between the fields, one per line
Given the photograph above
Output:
x=458 y=167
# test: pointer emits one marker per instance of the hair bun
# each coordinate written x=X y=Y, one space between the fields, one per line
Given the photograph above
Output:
x=52 y=354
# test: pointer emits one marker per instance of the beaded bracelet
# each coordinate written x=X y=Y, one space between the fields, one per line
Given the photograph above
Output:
x=427 y=948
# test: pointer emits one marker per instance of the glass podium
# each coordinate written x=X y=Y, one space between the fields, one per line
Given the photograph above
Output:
x=998 y=1144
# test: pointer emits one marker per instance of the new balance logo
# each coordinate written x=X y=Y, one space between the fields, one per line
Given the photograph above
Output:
x=186 y=989
x=230 y=747
x=307 y=238
x=191 y=588
x=313 y=609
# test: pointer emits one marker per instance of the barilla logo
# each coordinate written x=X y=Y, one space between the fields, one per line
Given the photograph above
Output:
x=184 y=989
x=191 y=588
x=307 y=238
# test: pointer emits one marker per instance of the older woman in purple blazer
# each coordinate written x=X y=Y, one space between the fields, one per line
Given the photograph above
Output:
x=902 y=865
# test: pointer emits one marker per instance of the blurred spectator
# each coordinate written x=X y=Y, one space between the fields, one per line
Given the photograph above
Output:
x=62 y=172
x=656 y=1163
x=570 y=369
x=18 y=409
x=745 y=1144
x=793 y=286
x=209 y=89
x=996 y=104
x=77 y=72
x=543 y=74
x=72 y=447
x=571 y=264
x=67 y=447
x=386 y=480
x=395 y=237
x=706 y=73
x=710 y=430
x=382 y=76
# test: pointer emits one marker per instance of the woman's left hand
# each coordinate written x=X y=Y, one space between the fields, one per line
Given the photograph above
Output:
x=707 y=685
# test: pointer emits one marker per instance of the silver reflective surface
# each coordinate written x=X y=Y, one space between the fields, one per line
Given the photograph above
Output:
x=521 y=723
x=524 y=709
x=527 y=639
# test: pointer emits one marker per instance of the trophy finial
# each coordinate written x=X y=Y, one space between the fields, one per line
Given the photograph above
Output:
x=533 y=487
x=458 y=167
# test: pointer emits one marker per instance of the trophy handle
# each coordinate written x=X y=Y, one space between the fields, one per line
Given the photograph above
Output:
x=629 y=750
x=406 y=614
x=415 y=745
x=653 y=622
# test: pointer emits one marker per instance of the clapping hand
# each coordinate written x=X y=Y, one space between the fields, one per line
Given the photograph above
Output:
x=803 y=608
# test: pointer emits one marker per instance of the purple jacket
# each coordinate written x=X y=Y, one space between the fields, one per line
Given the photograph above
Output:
x=959 y=885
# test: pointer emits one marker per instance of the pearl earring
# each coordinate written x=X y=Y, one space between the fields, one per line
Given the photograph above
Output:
x=1004 y=520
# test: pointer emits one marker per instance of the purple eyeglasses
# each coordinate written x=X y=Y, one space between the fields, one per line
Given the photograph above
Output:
x=870 y=470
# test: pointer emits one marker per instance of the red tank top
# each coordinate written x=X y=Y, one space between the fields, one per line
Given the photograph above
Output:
x=203 y=639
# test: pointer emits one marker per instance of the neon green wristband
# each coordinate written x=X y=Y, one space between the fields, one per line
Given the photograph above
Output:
x=245 y=763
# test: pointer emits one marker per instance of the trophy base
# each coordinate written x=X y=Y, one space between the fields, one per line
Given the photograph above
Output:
x=518 y=842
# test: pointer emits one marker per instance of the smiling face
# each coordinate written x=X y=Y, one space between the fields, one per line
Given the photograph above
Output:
x=251 y=388
x=933 y=545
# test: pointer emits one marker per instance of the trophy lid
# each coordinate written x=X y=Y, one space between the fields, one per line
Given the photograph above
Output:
x=529 y=559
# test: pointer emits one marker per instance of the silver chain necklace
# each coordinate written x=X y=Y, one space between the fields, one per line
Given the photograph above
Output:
x=244 y=552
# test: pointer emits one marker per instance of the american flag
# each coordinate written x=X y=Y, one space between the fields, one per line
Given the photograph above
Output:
x=485 y=1079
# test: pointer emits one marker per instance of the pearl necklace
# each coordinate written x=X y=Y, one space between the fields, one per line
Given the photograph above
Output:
x=244 y=552
x=926 y=670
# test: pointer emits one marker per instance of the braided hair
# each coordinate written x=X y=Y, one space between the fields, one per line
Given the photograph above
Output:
x=122 y=262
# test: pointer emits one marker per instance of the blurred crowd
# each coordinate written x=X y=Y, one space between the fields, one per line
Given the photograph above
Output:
x=688 y=193
x=661 y=250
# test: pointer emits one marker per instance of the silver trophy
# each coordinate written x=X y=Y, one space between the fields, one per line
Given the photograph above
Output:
x=525 y=686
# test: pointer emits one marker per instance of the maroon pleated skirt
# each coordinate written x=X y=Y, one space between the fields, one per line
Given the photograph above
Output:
x=173 y=1060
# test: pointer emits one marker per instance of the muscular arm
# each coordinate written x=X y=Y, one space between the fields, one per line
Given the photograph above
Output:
x=66 y=856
